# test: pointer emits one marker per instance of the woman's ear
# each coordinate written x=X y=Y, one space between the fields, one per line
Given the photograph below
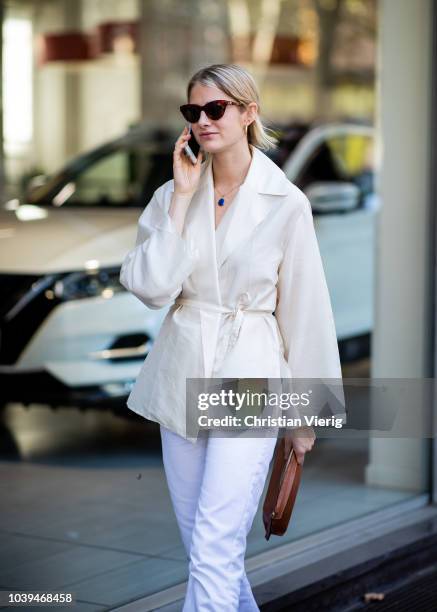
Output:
x=253 y=108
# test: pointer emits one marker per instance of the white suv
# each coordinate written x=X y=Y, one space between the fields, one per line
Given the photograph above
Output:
x=69 y=332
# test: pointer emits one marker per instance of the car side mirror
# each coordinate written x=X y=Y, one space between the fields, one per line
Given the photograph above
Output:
x=330 y=197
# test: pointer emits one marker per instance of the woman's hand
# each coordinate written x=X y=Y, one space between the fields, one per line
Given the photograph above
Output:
x=301 y=439
x=185 y=173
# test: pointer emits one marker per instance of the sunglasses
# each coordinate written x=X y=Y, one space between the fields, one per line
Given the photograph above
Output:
x=214 y=110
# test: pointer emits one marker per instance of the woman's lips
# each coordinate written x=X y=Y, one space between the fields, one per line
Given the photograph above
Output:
x=208 y=134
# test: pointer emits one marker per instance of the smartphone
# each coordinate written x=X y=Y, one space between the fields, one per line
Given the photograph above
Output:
x=192 y=147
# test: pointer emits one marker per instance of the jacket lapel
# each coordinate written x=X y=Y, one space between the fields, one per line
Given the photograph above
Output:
x=253 y=202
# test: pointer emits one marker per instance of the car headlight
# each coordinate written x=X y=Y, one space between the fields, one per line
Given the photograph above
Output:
x=103 y=282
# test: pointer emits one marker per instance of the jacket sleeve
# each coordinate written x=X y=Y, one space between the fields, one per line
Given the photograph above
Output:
x=161 y=260
x=305 y=319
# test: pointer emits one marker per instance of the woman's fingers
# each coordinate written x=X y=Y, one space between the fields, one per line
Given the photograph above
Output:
x=180 y=143
x=299 y=454
x=185 y=172
x=183 y=137
x=300 y=457
x=301 y=444
x=179 y=146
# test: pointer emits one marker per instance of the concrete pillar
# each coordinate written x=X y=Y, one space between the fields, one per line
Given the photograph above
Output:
x=402 y=342
x=177 y=38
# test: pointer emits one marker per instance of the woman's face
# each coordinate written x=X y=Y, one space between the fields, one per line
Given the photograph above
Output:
x=225 y=131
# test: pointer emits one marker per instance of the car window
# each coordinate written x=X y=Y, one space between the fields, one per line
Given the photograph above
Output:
x=107 y=181
x=127 y=176
x=346 y=157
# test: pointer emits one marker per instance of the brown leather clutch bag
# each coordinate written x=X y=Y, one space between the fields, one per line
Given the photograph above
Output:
x=281 y=492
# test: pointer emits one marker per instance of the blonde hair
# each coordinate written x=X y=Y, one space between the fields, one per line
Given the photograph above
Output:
x=239 y=85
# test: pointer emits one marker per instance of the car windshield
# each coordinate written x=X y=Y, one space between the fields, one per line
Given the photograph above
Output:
x=123 y=176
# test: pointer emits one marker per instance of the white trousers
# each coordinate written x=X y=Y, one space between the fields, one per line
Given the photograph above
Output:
x=215 y=486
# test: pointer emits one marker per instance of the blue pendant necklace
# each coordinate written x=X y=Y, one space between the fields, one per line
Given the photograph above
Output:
x=221 y=200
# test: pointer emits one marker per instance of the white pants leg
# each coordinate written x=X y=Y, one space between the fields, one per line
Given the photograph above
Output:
x=215 y=486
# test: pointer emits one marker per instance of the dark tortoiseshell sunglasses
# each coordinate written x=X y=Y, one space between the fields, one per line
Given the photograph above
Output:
x=214 y=110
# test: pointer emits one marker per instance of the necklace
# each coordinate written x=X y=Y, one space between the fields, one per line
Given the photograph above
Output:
x=221 y=200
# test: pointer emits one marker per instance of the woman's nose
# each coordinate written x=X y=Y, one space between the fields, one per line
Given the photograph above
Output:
x=203 y=119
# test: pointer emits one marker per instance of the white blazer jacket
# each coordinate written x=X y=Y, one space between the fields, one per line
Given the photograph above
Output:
x=226 y=284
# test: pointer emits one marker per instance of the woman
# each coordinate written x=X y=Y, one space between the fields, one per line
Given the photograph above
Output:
x=231 y=241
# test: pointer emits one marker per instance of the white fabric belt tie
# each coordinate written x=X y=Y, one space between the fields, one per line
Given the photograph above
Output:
x=237 y=313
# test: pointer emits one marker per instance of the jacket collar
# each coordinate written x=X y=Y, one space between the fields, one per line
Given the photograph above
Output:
x=264 y=176
x=256 y=197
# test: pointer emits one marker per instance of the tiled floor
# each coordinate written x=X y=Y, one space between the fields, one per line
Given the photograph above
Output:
x=85 y=506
